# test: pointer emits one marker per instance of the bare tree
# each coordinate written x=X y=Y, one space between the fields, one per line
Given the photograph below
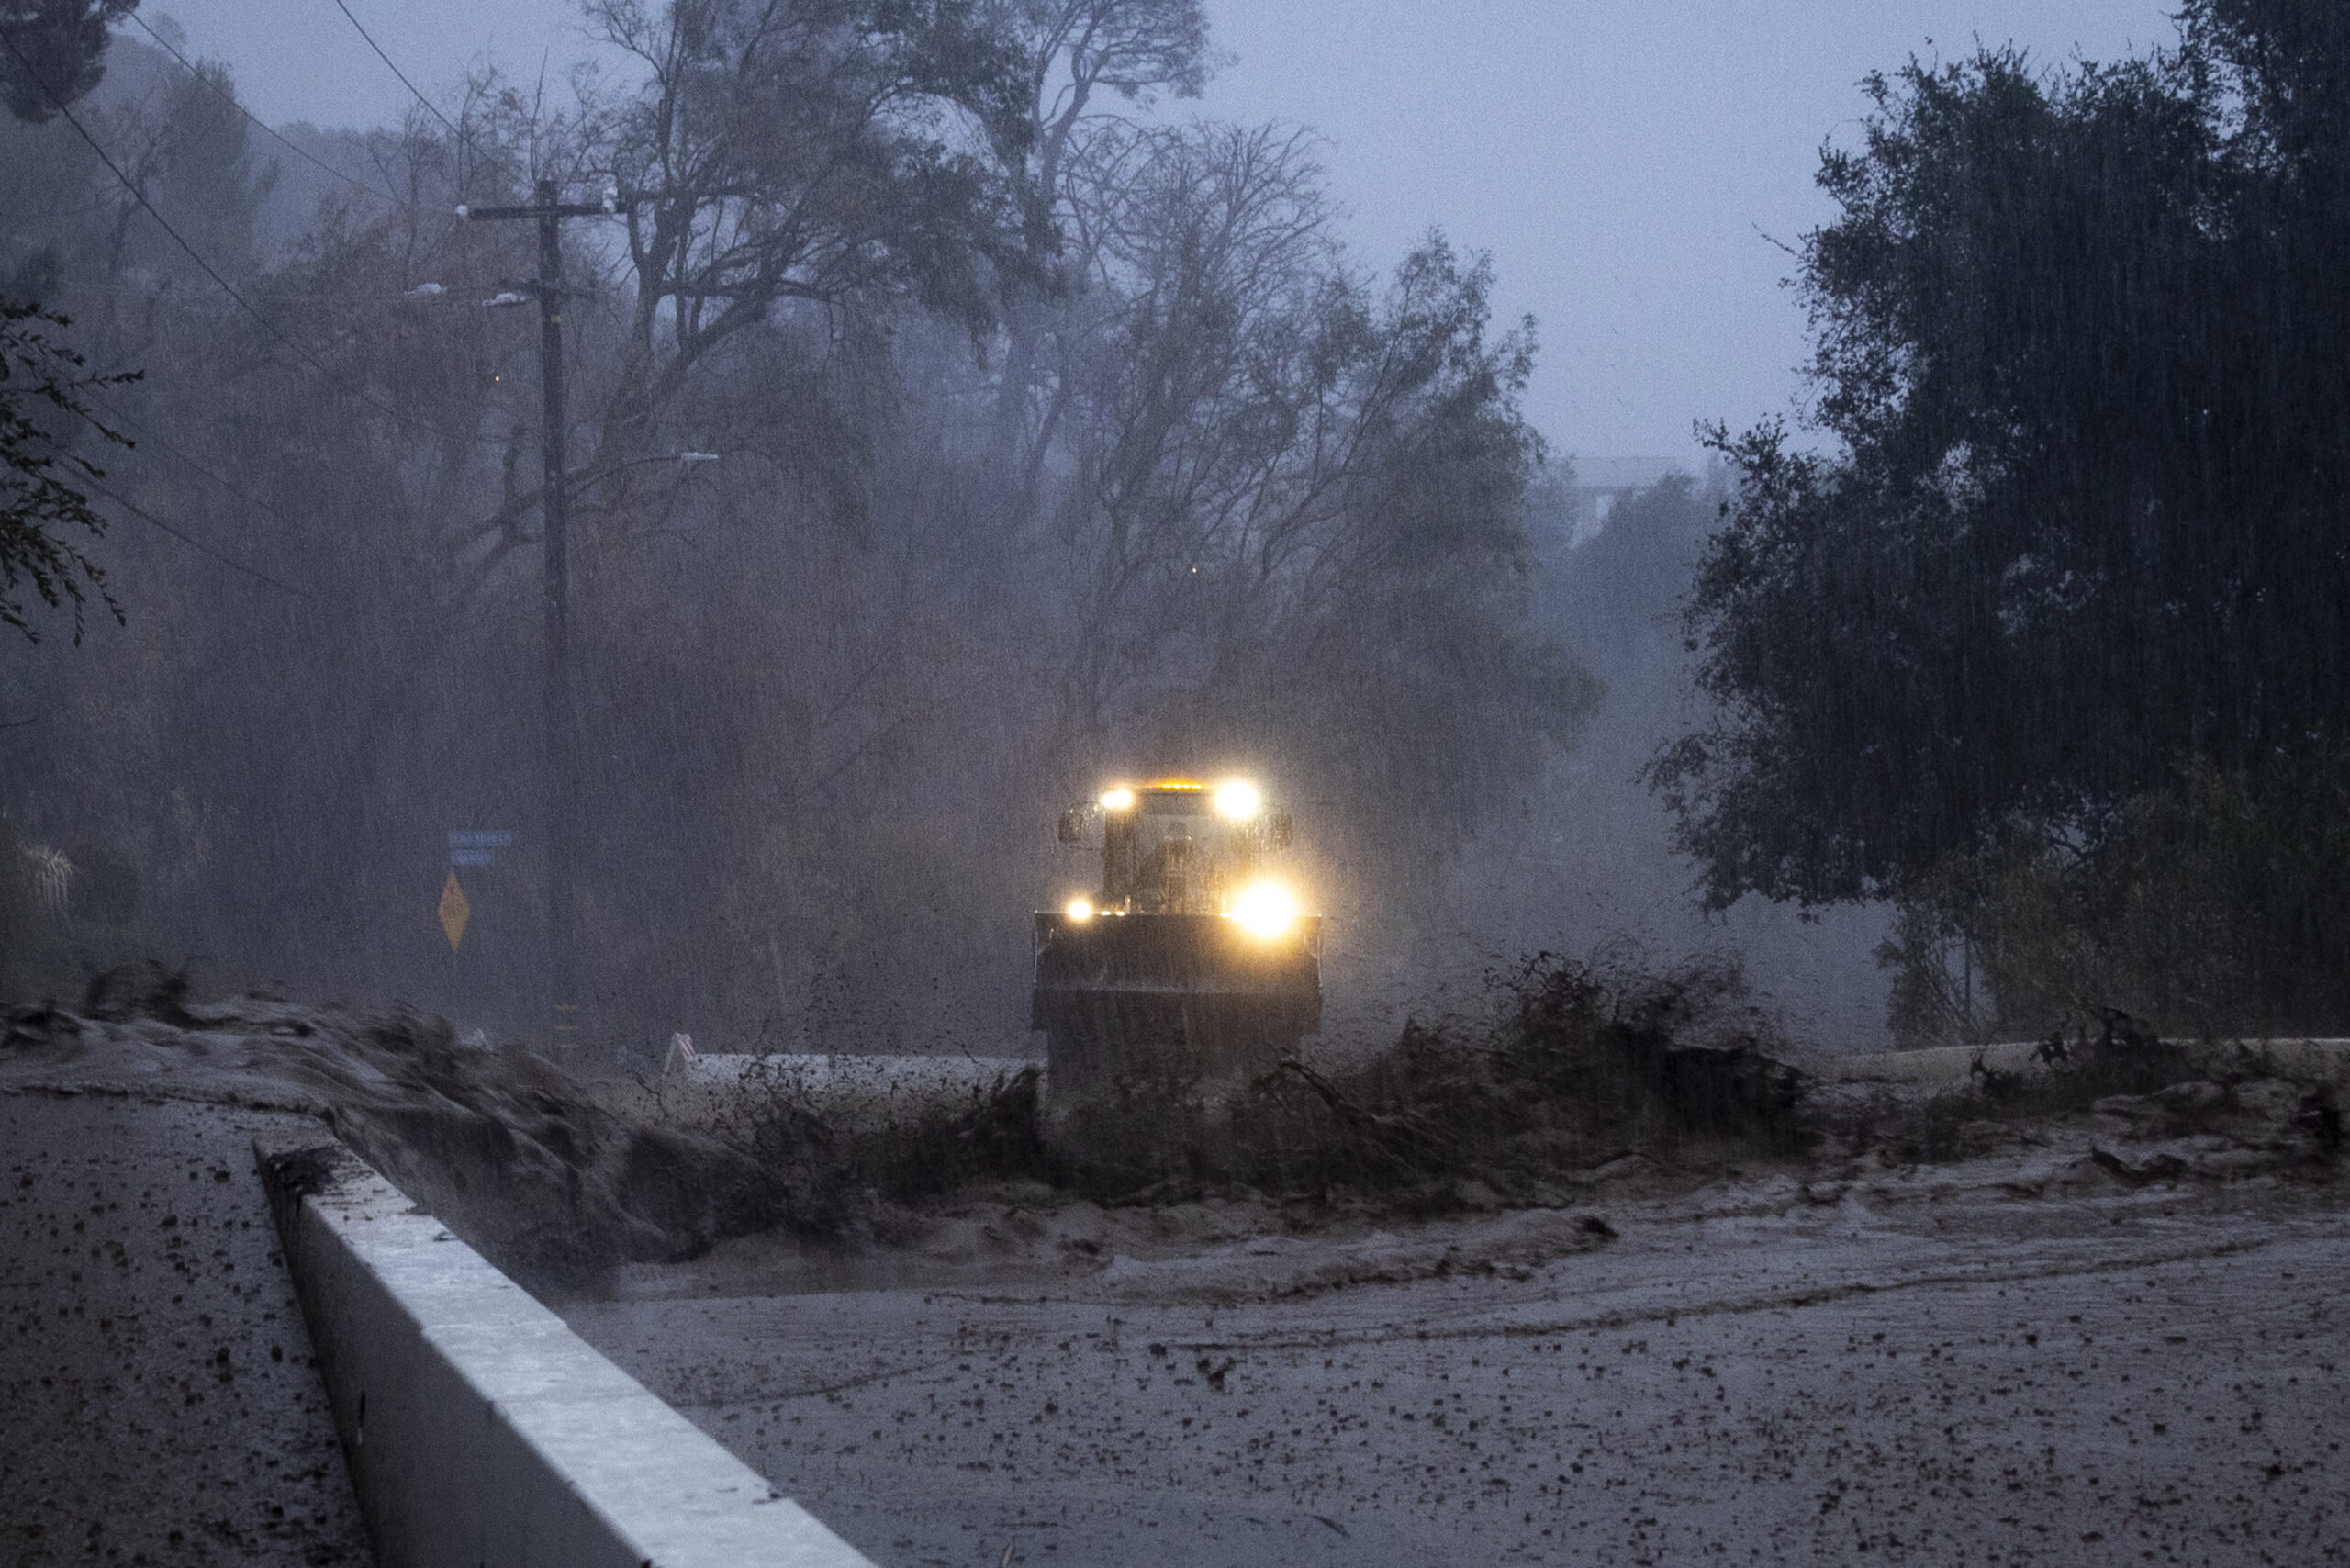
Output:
x=1290 y=504
x=835 y=153
x=1075 y=52
x=1189 y=378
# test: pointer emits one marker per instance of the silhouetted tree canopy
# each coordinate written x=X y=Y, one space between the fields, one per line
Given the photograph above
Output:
x=53 y=51
x=2083 y=347
x=1052 y=439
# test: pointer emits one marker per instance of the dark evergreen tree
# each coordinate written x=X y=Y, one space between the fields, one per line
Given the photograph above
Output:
x=2084 y=353
x=53 y=51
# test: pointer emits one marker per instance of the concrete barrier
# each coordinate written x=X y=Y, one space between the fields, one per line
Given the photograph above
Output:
x=1955 y=1064
x=481 y=1431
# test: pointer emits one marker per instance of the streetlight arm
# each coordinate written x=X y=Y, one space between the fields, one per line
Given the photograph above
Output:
x=553 y=209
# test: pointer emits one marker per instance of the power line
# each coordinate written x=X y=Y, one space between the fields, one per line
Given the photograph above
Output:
x=163 y=440
x=267 y=325
x=466 y=140
x=197 y=545
x=149 y=433
x=231 y=99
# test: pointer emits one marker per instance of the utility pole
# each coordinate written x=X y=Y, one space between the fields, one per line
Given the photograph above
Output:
x=562 y=724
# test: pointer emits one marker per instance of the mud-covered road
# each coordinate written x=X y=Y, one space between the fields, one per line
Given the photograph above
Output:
x=155 y=1380
x=2105 y=1334
x=2018 y=1360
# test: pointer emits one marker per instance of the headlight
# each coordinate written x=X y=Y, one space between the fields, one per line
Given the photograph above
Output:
x=1265 y=908
x=1117 y=800
x=1079 y=910
x=1237 y=801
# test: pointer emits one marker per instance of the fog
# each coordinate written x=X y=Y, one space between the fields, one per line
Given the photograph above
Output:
x=1316 y=401
x=1517 y=782
x=1634 y=170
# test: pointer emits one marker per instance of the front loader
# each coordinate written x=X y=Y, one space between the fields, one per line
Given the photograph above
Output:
x=1191 y=957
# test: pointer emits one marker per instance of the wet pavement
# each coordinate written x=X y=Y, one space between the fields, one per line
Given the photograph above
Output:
x=155 y=1375
x=1999 y=1368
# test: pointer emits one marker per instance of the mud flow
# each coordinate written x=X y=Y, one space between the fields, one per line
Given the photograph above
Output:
x=1603 y=1274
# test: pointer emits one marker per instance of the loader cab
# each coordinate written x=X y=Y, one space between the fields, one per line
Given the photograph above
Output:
x=1176 y=846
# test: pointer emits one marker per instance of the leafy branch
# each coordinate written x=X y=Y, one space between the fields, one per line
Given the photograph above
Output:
x=40 y=382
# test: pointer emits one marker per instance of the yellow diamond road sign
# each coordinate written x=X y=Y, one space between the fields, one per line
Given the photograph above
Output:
x=454 y=911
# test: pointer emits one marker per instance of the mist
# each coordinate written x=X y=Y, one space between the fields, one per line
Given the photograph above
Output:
x=977 y=517
x=1415 y=768
x=1112 y=420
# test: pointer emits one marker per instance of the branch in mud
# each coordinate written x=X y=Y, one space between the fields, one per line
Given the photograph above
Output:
x=1403 y=1137
x=1574 y=1066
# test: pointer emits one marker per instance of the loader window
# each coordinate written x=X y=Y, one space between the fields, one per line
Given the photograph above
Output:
x=1172 y=876
x=1172 y=854
x=1179 y=854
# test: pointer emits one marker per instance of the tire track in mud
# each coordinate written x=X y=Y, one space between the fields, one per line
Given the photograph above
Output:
x=1507 y=1319
x=2163 y=1392
x=1488 y=1327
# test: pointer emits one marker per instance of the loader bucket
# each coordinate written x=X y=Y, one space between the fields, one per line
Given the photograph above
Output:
x=1195 y=995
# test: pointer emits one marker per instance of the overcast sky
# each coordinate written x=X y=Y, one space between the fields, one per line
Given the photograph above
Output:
x=1628 y=164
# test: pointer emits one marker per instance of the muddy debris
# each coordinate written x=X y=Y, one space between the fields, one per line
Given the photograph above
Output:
x=148 y=990
x=1571 y=1068
x=2201 y=1109
x=1577 y=1076
x=551 y=1175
